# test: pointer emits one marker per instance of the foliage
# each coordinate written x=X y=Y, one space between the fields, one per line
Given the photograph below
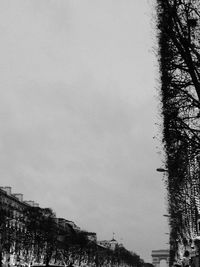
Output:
x=128 y=257
x=35 y=235
x=179 y=57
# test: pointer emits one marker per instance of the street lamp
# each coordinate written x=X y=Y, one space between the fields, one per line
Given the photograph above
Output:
x=161 y=170
x=0 y=250
x=170 y=243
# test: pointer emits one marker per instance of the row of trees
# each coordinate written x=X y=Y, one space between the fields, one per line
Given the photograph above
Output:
x=179 y=57
x=38 y=237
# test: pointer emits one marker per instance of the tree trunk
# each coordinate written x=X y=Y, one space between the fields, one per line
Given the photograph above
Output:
x=0 y=255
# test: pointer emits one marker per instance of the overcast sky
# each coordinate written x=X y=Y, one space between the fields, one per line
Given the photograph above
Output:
x=78 y=107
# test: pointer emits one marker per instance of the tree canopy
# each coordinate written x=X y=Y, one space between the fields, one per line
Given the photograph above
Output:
x=179 y=57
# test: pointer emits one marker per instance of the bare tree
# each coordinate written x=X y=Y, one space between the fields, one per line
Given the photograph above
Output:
x=179 y=57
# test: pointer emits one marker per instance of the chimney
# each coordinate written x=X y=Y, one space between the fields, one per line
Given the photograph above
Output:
x=19 y=196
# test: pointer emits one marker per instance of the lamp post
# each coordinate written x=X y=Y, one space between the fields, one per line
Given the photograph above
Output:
x=161 y=170
x=0 y=250
x=171 y=241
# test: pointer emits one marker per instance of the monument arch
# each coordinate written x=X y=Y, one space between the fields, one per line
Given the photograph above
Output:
x=158 y=256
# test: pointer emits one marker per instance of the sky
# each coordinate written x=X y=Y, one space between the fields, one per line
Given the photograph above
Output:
x=79 y=108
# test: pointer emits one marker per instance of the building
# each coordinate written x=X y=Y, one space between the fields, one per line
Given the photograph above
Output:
x=91 y=236
x=13 y=211
x=14 y=207
x=73 y=225
x=64 y=226
x=22 y=221
x=110 y=244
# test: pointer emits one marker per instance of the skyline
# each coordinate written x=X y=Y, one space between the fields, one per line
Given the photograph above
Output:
x=78 y=111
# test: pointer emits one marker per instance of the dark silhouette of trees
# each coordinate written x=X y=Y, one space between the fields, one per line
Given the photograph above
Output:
x=38 y=236
x=179 y=57
x=50 y=231
x=3 y=214
x=125 y=256
x=147 y=264
x=11 y=236
x=42 y=233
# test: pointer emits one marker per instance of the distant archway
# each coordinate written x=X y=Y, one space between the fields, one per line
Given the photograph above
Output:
x=160 y=255
x=164 y=263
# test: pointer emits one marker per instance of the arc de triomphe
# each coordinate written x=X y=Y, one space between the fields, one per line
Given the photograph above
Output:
x=158 y=255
